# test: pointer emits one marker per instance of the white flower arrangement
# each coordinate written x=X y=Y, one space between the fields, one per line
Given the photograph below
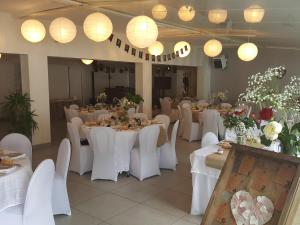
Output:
x=102 y=97
x=265 y=89
x=272 y=130
x=125 y=103
x=240 y=129
x=220 y=95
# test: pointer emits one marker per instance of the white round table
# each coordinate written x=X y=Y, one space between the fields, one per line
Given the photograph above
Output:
x=13 y=185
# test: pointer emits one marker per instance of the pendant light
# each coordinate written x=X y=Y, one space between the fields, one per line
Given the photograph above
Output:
x=33 y=30
x=180 y=45
x=212 y=48
x=186 y=13
x=62 y=30
x=159 y=12
x=247 y=51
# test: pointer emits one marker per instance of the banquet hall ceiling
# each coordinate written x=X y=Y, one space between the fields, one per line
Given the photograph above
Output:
x=280 y=27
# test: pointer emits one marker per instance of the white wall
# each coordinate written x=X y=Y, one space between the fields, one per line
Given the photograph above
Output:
x=10 y=77
x=234 y=77
x=11 y=41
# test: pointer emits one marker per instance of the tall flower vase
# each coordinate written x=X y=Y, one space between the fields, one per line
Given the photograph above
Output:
x=240 y=139
x=289 y=149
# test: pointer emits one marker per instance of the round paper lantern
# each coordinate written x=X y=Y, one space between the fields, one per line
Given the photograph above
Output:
x=217 y=16
x=142 y=31
x=87 y=61
x=247 y=51
x=156 y=48
x=254 y=14
x=97 y=27
x=180 y=45
x=212 y=48
x=159 y=12
x=62 y=30
x=33 y=30
x=186 y=13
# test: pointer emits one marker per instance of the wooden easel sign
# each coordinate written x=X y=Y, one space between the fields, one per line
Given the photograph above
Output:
x=256 y=187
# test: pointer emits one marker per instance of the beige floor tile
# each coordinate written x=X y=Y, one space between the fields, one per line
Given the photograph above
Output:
x=192 y=219
x=182 y=222
x=105 y=206
x=185 y=186
x=80 y=192
x=77 y=218
x=142 y=215
x=137 y=191
x=172 y=202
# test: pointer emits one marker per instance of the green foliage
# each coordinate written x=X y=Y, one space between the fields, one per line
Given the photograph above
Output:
x=232 y=121
x=137 y=99
x=290 y=139
x=17 y=108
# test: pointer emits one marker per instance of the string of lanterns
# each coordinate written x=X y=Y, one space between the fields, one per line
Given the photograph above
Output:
x=142 y=31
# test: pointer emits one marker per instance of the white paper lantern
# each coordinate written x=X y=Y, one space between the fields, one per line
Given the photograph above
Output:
x=87 y=61
x=142 y=31
x=254 y=14
x=0 y=55
x=62 y=30
x=33 y=30
x=247 y=51
x=159 y=12
x=181 y=45
x=97 y=27
x=156 y=48
x=217 y=16
x=212 y=48
x=186 y=13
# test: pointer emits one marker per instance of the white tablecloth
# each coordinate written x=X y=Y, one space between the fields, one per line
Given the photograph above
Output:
x=13 y=186
x=204 y=179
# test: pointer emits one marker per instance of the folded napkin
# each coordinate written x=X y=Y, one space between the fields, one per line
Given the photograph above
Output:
x=15 y=156
x=7 y=169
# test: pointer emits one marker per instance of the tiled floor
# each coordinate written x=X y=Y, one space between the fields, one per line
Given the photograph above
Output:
x=160 y=200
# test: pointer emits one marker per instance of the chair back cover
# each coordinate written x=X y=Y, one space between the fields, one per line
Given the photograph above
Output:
x=66 y=110
x=105 y=116
x=73 y=113
x=166 y=106
x=38 y=203
x=209 y=139
x=211 y=121
x=188 y=119
x=63 y=158
x=77 y=122
x=105 y=162
x=174 y=134
x=18 y=143
x=163 y=119
x=74 y=106
x=148 y=137
x=75 y=141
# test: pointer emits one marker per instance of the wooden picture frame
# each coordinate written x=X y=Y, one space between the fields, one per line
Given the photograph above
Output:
x=260 y=172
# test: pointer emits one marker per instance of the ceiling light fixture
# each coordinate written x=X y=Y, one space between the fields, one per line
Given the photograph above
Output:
x=142 y=31
x=33 y=30
x=212 y=48
x=97 y=27
x=159 y=12
x=62 y=30
x=186 y=13
x=180 y=45
x=87 y=61
x=156 y=48
x=247 y=51
x=254 y=14
x=217 y=16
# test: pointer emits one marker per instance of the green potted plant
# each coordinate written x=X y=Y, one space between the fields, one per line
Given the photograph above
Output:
x=137 y=99
x=17 y=108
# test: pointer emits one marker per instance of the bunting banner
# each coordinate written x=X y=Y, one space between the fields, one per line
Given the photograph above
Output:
x=144 y=55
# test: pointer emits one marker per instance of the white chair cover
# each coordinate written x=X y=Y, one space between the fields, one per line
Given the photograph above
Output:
x=180 y=121
x=165 y=120
x=37 y=208
x=78 y=123
x=165 y=104
x=74 y=106
x=212 y=122
x=142 y=116
x=209 y=139
x=72 y=113
x=226 y=105
x=60 y=199
x=104 y=116
x=144 y=160
x=202 y=101
x=17 y=143
x=191 y=130
x=66 y=110
x=82 y=156
x=105 y=160
x=167 y=152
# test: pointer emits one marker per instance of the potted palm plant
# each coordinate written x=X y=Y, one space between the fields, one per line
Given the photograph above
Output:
x=17 y=108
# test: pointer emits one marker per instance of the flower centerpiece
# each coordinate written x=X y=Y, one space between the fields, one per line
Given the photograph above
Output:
x=101 y=98
x=220 y=96
x=277 y=100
